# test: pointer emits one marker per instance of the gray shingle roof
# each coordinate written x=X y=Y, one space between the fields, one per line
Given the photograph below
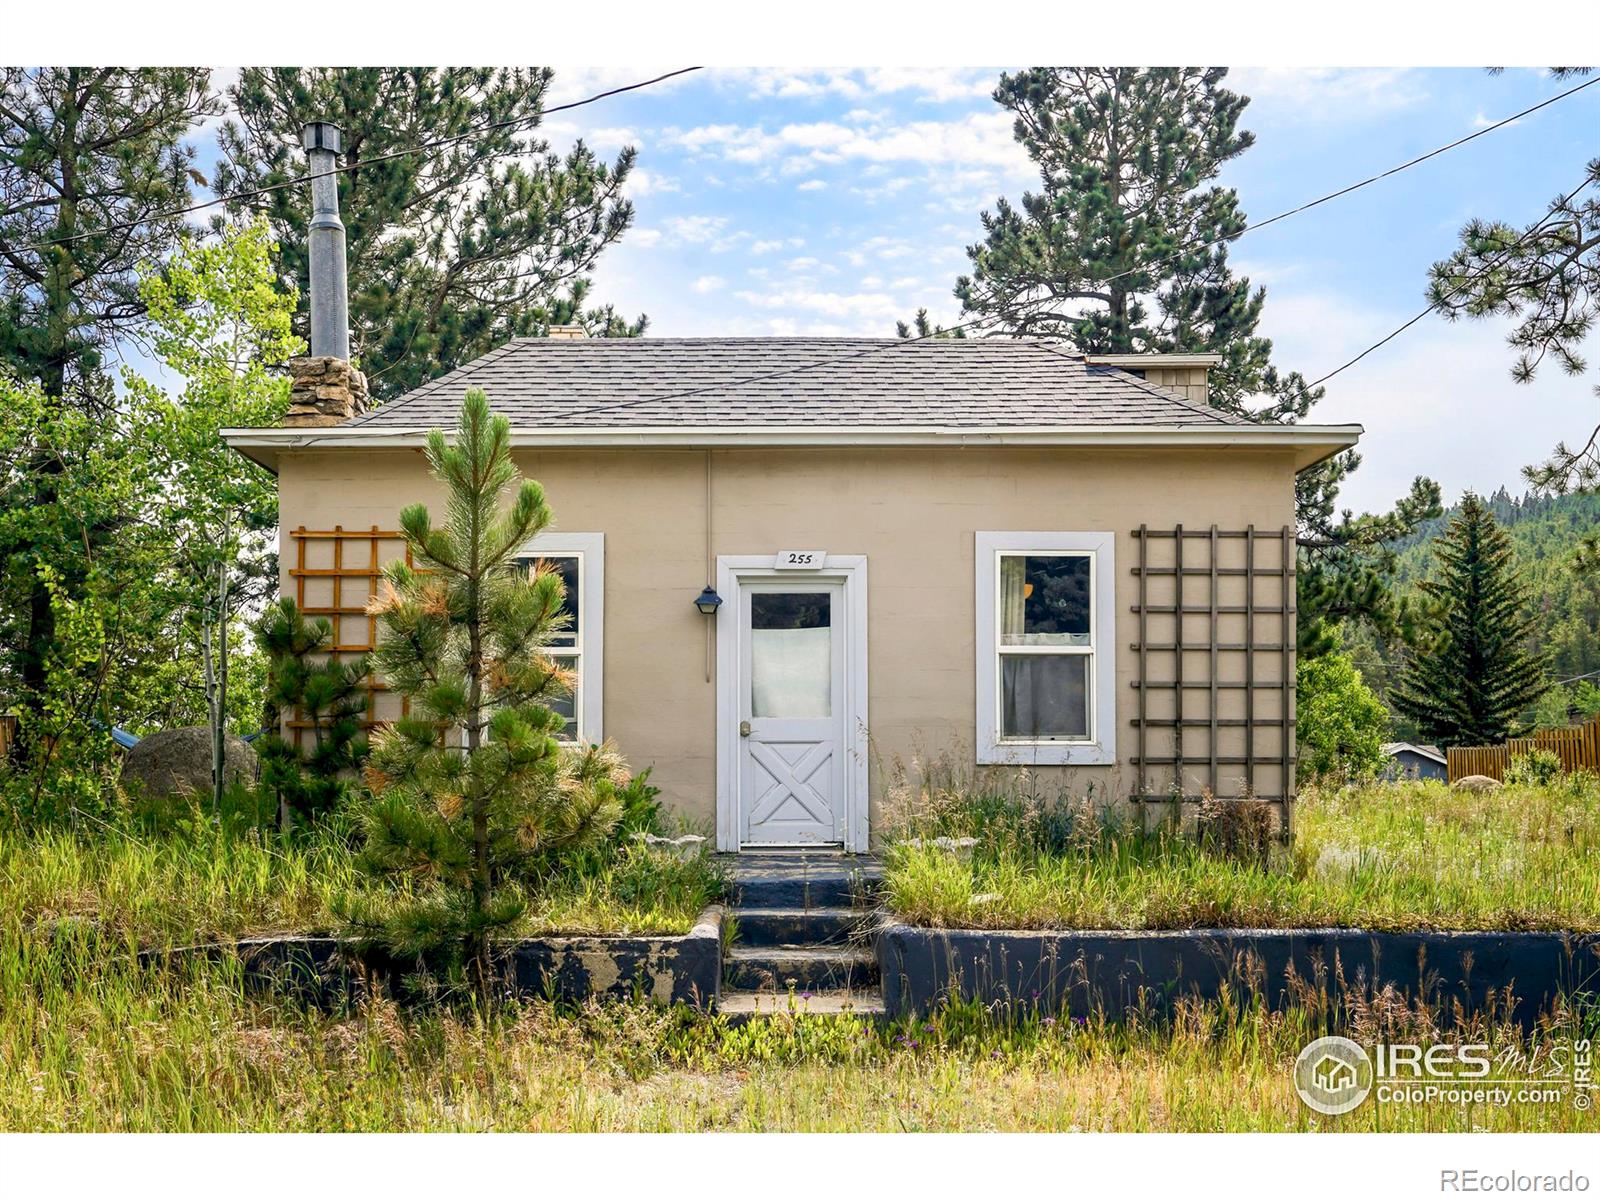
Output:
x=792 y=382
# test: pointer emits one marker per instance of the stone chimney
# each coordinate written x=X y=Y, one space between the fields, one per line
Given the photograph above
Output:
x=567 y=333
x=325 y=389
x=1186 y=374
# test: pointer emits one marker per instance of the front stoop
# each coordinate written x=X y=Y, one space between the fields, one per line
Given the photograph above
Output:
x=801 y=922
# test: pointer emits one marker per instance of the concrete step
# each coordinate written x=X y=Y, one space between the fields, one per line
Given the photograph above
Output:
x=798 y=926
x=741 y=1006
x=804 y=888
x=804 y=968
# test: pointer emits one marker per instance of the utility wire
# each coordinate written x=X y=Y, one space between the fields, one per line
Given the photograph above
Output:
x=404 y=152
x=1287 y=213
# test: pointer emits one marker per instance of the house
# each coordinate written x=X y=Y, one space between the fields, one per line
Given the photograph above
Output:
x=1408 y=761
x=995 y=547
x=1333 y=1074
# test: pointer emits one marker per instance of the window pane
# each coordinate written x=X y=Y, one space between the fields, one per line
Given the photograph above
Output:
x=791 y=654
x=567 y=568
x=567 y=706
x=1044 y=695
x=1044 y=600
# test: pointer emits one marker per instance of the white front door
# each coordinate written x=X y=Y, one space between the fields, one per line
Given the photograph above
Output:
x=792 y=785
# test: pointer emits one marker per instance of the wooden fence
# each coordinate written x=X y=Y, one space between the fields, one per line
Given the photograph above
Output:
x=1578 y=746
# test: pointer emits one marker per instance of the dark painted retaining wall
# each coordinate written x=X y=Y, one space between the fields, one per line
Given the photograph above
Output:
x=1079 y=972
x=685 y=969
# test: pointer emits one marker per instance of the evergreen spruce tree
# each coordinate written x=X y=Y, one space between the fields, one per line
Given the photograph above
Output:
x=331 y=696
x=1124 y=249
x=453 y=249
x=472 y=790
x=1473 y=671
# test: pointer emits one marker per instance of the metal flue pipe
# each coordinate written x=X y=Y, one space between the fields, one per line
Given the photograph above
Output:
x=330 y=304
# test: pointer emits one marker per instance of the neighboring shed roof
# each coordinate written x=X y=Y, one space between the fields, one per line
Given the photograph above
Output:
x=1390 y=749
x=651 y=382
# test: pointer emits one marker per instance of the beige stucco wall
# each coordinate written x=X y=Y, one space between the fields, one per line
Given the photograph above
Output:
x=913 y=513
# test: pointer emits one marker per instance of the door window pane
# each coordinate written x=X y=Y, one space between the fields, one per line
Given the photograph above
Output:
x=1044 y=695
x=1044 y=600
x=791 y=654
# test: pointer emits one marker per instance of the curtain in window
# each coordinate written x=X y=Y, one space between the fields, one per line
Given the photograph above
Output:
x=1013 y=594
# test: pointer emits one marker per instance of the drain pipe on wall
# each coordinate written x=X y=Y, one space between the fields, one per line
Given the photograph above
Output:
x=711 y=570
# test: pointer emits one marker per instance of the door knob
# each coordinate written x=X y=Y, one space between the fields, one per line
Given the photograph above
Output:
x=744 y=728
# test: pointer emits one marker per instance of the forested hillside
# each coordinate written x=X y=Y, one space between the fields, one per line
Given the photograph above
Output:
x=1544 y=530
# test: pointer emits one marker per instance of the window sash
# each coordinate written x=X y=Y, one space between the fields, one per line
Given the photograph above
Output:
x=1095 y=636
x=568 y=652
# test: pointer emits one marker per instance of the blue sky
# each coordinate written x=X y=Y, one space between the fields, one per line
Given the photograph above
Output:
x=777 y=201
x=832 y=202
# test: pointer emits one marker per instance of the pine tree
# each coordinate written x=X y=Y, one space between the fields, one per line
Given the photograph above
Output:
x=472 y=790
x=1103 y=256
x=454 y=249
x=1473 y=671
x=1124 y=250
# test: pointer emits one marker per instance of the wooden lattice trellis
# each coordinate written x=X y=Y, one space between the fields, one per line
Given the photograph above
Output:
x=335 y=577
x=1216 y=665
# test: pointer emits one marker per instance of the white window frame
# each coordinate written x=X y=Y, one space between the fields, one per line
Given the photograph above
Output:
x=589 y=646
x=1100 y=747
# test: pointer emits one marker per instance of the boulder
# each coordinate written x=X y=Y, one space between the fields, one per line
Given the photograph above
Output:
x=1476 y=783
x=175 y=761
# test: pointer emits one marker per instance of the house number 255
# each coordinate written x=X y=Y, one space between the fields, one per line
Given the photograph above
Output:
x=800 y=560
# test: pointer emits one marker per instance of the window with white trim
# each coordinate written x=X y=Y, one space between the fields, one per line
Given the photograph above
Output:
x=1046 y=654
x=579 y=558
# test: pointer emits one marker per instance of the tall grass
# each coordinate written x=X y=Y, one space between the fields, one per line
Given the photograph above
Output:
x=205 y=882
x=1383 y=856
x=91 y=1040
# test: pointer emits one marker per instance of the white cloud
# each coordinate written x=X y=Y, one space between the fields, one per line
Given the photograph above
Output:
x=707 y=284
x=812 y=185
x=872 y=308
x=768 y=245
x=643 y=237
x=931 y=84
x=648 y=183
x=979 y=139
x=1325 y=94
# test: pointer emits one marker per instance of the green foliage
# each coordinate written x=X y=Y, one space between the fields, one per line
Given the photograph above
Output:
x=472 y=791
x=1475 y=670
x=453 y=248
x=1537 y=768
x=1341 y=724
x=92 y=158
x=305 y=682
x=922 y=327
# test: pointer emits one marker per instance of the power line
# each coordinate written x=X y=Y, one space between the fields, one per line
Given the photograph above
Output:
x=1284 y=215
x=404 y=152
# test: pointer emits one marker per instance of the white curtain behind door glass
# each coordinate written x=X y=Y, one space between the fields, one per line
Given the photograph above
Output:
x=791 y=672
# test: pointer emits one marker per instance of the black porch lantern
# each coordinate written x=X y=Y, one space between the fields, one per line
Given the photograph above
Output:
x=708 y=601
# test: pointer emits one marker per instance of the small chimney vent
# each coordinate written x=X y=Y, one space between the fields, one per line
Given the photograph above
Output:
x=569 y=333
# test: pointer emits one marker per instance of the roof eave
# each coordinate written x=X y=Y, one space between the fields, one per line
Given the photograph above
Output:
x=1311 y=443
